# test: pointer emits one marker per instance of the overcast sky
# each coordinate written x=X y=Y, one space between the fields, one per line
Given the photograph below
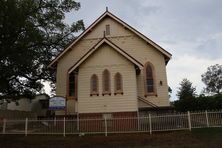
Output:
x=189 y=29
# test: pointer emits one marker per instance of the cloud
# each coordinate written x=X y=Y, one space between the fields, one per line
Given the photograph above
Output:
x=190 y=67
x=211 y=47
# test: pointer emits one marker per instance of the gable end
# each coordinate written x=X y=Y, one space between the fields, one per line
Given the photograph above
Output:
x=166 y=54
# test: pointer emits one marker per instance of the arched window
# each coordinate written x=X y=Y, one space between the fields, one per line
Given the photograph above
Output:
x=149 y=80
x=106 y=82
x=118 y=82
x=72 y=85
x=94 y=85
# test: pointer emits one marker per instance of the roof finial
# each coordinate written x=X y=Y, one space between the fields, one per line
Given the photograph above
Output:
x=107 y=9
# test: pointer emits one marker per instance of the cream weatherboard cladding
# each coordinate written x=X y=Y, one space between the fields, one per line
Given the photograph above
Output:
x=131 y=43
x=107 y=58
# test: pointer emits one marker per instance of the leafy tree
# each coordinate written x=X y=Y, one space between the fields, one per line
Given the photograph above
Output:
x=213 y=79
x=186 y=90
x=32 y=32
x=199 y=103
x=169 y=91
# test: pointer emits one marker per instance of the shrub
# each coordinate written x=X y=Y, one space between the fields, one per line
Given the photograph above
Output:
x=199 y=103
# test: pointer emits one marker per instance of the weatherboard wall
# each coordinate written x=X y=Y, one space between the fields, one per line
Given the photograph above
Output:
x=105 y=57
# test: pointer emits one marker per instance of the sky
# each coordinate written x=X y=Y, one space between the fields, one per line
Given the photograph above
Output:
x=191 y=30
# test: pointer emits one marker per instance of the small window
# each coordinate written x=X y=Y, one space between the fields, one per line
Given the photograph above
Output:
x=107 y=29
x=106 y=82
x=149 y=80
x=72 y=85
x=118 y=82
x=94 y=85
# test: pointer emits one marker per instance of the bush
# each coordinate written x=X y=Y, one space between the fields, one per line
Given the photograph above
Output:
x=199 y=103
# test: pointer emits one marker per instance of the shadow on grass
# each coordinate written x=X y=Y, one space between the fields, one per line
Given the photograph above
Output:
x=207 y=137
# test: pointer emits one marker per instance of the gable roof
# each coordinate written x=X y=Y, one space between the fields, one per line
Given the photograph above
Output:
x=111 y=44
x=105 y=14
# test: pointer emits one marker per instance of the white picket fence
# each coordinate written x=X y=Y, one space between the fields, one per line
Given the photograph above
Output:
x=149 y=123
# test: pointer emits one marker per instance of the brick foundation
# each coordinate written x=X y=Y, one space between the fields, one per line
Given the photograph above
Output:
x=119 y=121
x=114 y=115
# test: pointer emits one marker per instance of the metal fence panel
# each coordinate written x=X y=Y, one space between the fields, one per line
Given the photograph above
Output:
x=91 y=126
x=122 y=125
x=144 y=124
x=45 y=126
x=64 y=126
x=215 y=119
x=198 y=120
x=71 y=127
x=15 y=127
x=170 y=122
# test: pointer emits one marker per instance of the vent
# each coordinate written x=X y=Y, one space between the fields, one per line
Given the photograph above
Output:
x=107 y=29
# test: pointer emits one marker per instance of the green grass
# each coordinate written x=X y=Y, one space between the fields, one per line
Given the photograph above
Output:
x=211 y=136
x=208 y=132
x=204 y=138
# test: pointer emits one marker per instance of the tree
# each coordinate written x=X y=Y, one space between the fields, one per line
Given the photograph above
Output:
x=200 y=102
x=32 y=33
x=213 y=79
x=169 y=91
x=186 y=90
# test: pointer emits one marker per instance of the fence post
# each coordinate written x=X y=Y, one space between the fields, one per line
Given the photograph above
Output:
x=4 y=126
x=55 y=121
x=207 y=118
x=105 y=126
x=77 y=121
x=150 y=123
x=26 y=126
x=189 y=121
x=64 y=126
x=138 y=120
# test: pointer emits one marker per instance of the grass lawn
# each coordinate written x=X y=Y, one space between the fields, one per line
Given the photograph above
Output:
x=211 y=137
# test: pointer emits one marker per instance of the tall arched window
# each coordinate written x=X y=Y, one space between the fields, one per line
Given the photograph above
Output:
x=72 y=86
x=118 y=82
x=149 y=80
x=106 y=82
x=94 y=85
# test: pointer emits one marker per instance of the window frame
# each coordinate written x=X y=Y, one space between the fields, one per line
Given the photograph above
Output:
x=154 y=93
x=106 y=92
x=68 y=86
x=116 y=91
x=92 y=92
